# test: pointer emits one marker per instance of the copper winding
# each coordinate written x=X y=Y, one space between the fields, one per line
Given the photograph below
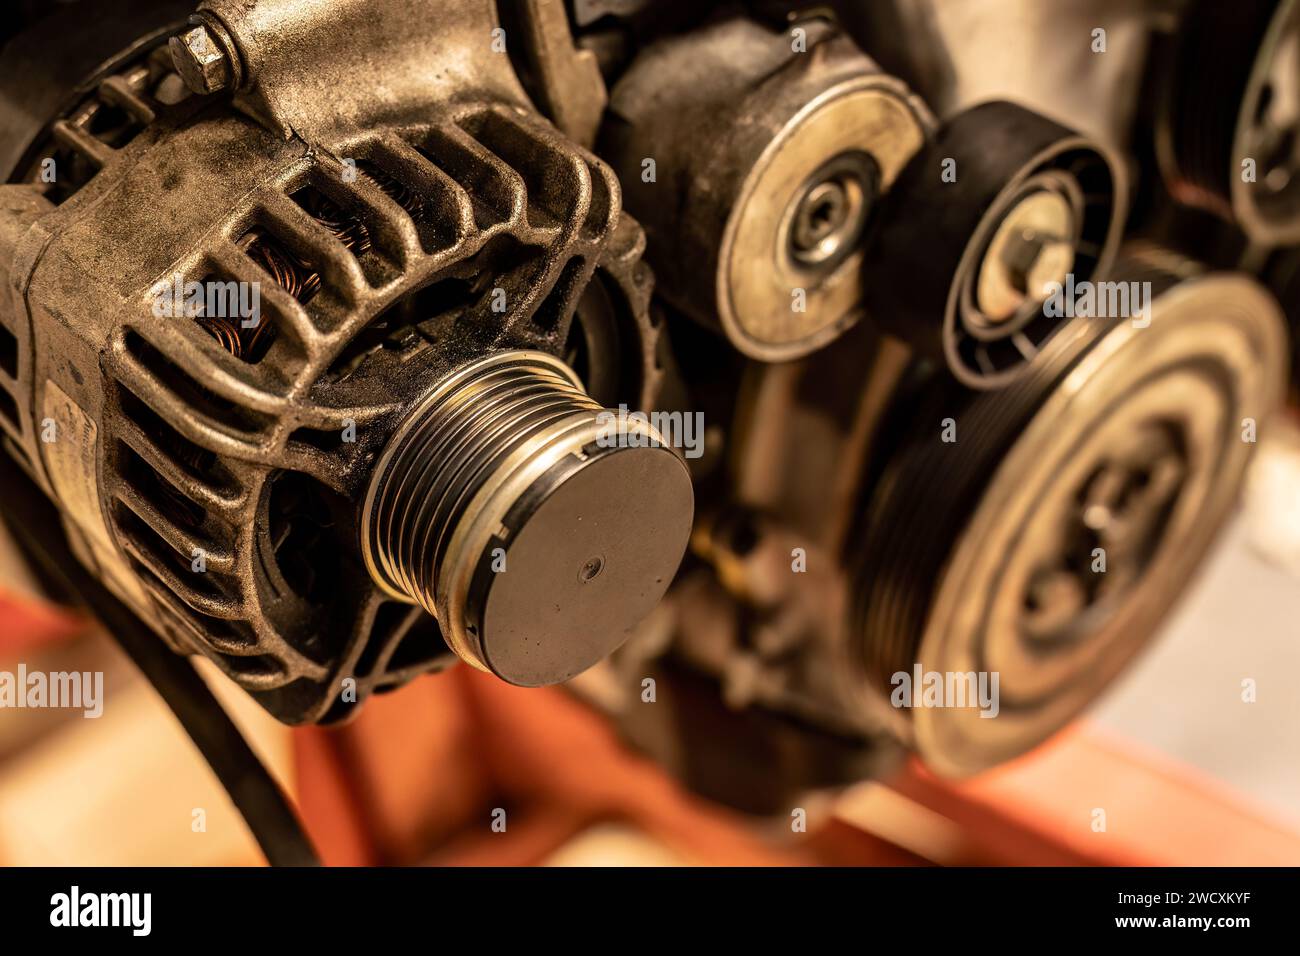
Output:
x=400 y=192
x=290 y=272
x=347 y=229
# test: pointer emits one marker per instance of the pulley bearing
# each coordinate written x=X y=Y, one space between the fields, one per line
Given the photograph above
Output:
x=986 y=222
x=767 y=166
x=535 y=527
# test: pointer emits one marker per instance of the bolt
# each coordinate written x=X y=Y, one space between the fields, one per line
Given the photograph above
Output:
x=821 y=212
x=1132 y=494
x=201 y=61
x=1034 y=261
x=1028 y=252
x=825 y=218
x=1105 y=496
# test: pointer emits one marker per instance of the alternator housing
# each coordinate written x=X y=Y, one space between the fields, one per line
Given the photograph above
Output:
x=210 y=472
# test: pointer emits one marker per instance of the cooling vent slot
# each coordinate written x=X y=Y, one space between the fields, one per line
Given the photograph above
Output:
x=9 y=409
x=228 y=312
x=8 y=369
x=8 y=353
x=237 y=418
x=104 y=122
x=493 y=187
x=348 y=225
x=293 y=272
x=299 y=526
x=160 y=556
x=407 y=324
x=563 y=297
x=194 y=462
x=547 y=183
x=429 y=199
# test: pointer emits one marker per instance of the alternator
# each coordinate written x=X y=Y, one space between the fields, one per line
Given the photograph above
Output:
x=294 y=363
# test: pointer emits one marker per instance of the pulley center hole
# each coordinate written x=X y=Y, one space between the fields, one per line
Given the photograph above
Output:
x=591 y=569
x=1031 y=249
x=1119 y=517
x=828 y=214
x=821 y=214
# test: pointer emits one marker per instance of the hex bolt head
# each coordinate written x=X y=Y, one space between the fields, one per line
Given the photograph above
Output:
x=201 y=60
x=1033 y=260
x=1029 y=251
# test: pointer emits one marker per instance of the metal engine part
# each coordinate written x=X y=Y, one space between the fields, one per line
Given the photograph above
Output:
x=211 y=465
x=1228 y=139
x=1020 y=206
x=460 y=419
x=455 y=485
x=1060 y=519
x=755 y=169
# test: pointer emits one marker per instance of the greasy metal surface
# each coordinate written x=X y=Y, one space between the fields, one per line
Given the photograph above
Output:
x=566 y=81
x=959 y=53
x=373 y=63
x=1138 y=425
x=508 y=507
x=739 y=127
x=413 y=192
x=235 y=452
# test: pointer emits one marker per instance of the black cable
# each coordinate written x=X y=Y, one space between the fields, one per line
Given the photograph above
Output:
x=256 y=795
